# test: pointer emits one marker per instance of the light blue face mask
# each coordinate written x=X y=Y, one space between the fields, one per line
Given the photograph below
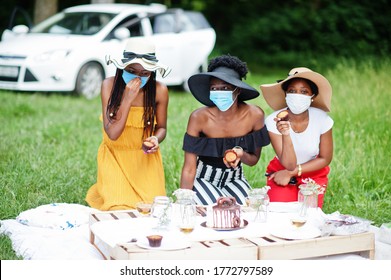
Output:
x=127 y=77
x=222 y=99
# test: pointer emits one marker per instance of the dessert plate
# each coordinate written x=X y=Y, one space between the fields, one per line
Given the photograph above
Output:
x=290 y=232
x=168 y=243
x=245 y=223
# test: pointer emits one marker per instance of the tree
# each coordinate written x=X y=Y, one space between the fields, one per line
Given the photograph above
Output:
x=101 y=1
x=44 y=9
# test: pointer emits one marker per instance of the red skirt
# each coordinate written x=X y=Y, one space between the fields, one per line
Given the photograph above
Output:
x=290 y=192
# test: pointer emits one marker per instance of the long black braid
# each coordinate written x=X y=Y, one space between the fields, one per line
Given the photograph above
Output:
x=149 y=101
x=150 y=105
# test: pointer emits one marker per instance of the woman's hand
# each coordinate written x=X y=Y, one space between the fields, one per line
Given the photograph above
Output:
x=151 y=146
x=132 y=88
x=282 y=126
x=239 y=153
x=281 y=177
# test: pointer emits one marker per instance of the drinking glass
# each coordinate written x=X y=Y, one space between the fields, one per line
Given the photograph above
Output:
x=144 y=208
x=187 y=215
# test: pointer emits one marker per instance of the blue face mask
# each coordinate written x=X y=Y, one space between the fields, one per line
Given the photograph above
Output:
x=222 y=99
x=127 y=77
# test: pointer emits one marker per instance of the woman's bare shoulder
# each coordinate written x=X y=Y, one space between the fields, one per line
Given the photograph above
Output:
x=108 y=81
x=161 y=87
x=200 y=113
x=255 y=110
x=161 y=91
x=107 y=86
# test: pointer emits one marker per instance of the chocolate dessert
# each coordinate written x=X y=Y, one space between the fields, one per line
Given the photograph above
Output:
x=155 y=240
x=226 y=213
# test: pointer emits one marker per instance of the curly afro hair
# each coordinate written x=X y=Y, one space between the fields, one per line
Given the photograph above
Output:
x=230 y=62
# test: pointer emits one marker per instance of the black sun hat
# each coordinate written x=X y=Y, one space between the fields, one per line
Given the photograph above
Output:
x=200 y=87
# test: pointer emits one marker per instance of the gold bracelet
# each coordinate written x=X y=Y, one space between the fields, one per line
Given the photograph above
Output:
x=299 y=172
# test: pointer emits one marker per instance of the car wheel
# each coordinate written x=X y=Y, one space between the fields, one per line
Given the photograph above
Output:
x=89 y=80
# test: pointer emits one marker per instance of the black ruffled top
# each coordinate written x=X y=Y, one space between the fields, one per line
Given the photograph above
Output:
x=211 y=150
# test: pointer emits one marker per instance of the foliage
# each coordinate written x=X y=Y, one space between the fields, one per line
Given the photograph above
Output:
x=290 y=32
x=287 y=33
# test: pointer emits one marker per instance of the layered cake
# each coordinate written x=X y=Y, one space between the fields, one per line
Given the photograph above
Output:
x=226 y=213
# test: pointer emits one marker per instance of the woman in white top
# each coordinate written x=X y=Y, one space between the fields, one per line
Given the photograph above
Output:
x=303 y=141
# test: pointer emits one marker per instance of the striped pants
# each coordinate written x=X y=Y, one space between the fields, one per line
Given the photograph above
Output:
x=211 y=183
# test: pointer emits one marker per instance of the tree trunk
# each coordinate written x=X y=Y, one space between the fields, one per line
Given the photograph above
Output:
x=44 y=9
x=102 y=1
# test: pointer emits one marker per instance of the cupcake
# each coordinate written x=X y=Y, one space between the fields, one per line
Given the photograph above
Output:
x=283 y=115
x=147 y=145
x=230 y=156
x=155 y=240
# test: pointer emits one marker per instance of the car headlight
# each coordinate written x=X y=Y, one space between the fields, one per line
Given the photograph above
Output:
x=52 y=55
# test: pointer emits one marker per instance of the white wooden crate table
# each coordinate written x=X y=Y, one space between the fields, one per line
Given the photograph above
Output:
x=117 y=235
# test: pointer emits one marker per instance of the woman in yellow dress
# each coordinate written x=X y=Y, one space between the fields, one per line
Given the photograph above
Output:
x=134 y=110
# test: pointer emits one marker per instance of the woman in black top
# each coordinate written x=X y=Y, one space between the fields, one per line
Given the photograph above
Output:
x=226 y=122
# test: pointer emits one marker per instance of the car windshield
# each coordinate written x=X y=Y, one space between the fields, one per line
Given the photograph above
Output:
x=74 y=23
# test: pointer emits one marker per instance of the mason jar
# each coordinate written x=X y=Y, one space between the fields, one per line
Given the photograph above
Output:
x=259 y=201
x=161 y=209
x=187 y=214
x=308 y=200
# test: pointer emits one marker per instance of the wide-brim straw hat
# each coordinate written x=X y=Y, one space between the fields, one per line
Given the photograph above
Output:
x=142 y=51
x=199 y=85
x=275 y=95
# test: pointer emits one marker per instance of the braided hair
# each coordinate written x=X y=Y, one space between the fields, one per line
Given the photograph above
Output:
x=149 y=101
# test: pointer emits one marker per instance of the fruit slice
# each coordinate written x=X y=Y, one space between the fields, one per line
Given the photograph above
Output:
x=283 y=115
x=230 y=156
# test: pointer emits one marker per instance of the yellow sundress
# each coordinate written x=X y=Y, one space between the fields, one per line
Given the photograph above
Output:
x=126 y=174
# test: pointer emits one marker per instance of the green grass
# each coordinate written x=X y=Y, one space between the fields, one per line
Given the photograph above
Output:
x=49 y=142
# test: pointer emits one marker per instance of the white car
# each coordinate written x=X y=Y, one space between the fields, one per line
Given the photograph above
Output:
x=66 y=52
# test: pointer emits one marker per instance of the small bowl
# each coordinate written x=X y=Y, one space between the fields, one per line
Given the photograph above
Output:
x=155 y=240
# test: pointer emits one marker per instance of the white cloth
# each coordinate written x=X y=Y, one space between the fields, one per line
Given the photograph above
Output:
x=306 y=143
x=37 y=243
x=56 y=216
x=54 y=231
x=48 y=243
